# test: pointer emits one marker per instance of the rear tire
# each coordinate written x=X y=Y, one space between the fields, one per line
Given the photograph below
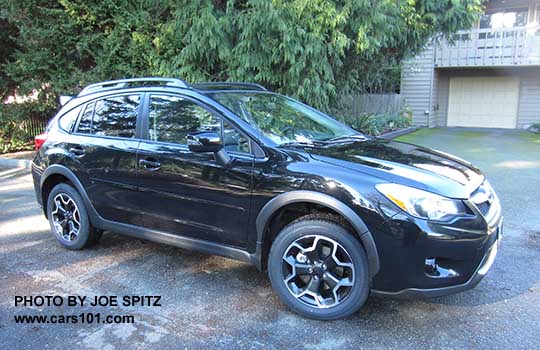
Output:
x=69 y=219
x=319 y=269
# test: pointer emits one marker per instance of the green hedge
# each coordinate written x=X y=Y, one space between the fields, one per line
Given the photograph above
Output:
x=535 y=128
x=315 y=51
x=378 y=124
x=19 y=123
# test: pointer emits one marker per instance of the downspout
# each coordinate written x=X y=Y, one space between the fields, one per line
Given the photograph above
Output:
x=430 y=105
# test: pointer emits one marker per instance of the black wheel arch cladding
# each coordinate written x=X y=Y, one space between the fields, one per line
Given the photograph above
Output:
x=265 y=215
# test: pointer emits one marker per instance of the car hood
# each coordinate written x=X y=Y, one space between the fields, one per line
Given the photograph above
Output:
x=405 y=164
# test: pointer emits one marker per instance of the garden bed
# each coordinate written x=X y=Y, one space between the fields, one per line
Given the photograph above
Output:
x=381 y=125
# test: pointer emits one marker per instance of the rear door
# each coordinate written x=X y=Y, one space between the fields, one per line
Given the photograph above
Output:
x=192 y=194
x=105 y=147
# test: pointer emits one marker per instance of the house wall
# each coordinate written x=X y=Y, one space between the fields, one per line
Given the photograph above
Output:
x=529 y=99
x=497 y=5
x=529 y=92
x=416 y=85
x=441 y=106
x=425 y=88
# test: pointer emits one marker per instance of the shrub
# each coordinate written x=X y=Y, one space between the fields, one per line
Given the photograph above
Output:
x=378 y=124
x=311 y=50
x=535 y=127
x=16 y=131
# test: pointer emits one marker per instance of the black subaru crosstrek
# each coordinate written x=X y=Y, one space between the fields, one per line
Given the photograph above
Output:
x=235 y=170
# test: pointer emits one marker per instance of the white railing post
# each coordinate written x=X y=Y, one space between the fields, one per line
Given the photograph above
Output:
x=458 y=53
x=503 y=36
x=514 y=48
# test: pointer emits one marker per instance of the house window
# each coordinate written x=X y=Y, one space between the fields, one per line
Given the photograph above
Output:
x=507 y=18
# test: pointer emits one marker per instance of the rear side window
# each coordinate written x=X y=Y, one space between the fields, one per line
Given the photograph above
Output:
x=85 y=124
x=113 y=116
x=67 y=121
x=116 y=116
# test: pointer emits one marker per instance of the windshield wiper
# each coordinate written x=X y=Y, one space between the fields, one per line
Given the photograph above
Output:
x=348 y=138
x=303 y=143
x=325 y=143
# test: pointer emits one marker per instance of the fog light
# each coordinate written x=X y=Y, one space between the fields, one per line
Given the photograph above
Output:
x=432 y=269
x=430 y=266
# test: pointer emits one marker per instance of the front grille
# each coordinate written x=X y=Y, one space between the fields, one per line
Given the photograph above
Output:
x=483 y=207
x=483 y=198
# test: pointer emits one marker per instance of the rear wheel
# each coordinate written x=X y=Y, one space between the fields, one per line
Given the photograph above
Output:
x=69 y=219
x=319 y=269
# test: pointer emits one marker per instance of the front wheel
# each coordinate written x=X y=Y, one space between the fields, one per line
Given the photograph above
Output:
x=319 y=269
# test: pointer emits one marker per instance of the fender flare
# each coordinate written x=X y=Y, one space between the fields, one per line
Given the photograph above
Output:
x=356 y=222
x=57 y=169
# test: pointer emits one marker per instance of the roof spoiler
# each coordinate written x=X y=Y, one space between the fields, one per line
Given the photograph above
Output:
x=65 y=99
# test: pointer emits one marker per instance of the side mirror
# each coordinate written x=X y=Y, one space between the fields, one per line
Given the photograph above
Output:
x=208 y=142
x=204 y=141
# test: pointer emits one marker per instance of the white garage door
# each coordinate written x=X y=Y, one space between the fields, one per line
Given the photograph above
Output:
x=488 y=102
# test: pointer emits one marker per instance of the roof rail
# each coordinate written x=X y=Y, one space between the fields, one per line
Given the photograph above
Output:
x=65 y=99
x=230 y=85
x=121 y=83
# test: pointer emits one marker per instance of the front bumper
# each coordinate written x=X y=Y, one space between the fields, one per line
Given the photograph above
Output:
x=478 y=275
x=426 y=259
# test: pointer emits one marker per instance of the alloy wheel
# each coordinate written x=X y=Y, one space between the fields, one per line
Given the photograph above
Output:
x=66 y=217
x=318 y=271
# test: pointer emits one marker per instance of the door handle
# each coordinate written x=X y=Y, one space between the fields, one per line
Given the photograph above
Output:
x=150 y=164
x=77 y=151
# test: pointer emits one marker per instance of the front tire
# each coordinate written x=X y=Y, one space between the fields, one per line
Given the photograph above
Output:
x=319 y=269
x=69 y=219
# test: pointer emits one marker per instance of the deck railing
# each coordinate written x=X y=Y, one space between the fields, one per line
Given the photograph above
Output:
x=490 y=47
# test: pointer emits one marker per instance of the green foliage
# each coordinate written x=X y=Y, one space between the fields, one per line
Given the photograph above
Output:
x=378 y=124
x=18 y=122
x=535 y=127
x=7 y=49
x=15 y=145
x=314 y=50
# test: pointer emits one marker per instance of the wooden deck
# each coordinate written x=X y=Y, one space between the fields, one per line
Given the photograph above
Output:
x=519 y=46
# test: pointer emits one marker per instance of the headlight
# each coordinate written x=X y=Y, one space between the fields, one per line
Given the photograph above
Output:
x=422 y=204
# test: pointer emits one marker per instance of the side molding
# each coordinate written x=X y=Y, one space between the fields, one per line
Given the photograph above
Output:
x=325 y=200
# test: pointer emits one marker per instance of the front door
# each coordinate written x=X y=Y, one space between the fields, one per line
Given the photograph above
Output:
x=192 y=194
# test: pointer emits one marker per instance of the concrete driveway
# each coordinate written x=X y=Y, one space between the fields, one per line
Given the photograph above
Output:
x=212 y=302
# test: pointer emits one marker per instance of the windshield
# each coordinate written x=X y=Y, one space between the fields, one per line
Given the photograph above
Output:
x=282 y=119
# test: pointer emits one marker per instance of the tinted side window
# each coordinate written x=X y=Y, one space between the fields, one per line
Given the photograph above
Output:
x=85 y=124
x=116 y=116
x=67 y=120
x=172 y=118
x=233 y=141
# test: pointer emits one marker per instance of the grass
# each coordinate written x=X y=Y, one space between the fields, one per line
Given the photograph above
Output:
x=458 y=134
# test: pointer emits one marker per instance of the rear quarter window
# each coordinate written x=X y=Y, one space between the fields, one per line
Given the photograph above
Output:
x=68 y=119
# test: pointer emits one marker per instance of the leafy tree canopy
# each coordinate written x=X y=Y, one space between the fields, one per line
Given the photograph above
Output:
x=310 y=49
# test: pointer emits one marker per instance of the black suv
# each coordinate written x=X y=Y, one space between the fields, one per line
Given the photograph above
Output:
x=236 y=170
